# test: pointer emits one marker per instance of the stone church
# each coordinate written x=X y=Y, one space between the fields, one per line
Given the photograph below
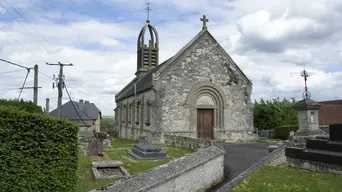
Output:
x=200 y=92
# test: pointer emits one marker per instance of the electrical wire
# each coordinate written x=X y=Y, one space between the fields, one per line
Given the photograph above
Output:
x=22 y=45
x=45 y=75
x=28 y=71
x=30 y=25
x=10 y=72
x=4 y=60
x=24 y=27
x=75 y=107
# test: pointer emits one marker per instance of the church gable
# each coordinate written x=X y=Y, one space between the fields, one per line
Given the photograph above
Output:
x=201 y=46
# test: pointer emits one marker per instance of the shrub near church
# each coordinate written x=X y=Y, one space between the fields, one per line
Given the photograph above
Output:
x=37 y=152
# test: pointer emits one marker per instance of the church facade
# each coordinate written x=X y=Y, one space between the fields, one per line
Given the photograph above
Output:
x=200 y=92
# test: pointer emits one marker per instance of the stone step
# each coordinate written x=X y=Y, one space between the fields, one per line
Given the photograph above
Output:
x=325 y=145
x=322 y=156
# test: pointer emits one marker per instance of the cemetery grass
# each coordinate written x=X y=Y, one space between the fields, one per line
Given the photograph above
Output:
x=270 y=141
x=284 y=179
x=120 y=152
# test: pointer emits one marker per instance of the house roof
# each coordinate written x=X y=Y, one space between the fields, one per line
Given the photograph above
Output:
x=331 y=102
x=88 y=111
x=146 y=83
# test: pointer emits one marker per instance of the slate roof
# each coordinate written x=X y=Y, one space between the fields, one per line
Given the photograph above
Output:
x=330 y=112
x=142 y=84
x=89 y=111
x=145 y=83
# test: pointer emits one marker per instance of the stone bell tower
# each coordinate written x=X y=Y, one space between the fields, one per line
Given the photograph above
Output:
x=148 y=52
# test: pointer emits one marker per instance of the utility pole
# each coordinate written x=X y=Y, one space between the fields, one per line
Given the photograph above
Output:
x=35 y=85
x=60 y=85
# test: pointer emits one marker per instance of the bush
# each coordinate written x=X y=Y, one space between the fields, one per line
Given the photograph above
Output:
x=37 y=152
x=283 y=132
x=28 y=106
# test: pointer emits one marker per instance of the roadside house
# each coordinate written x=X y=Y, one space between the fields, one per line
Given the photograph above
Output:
x=87 y=116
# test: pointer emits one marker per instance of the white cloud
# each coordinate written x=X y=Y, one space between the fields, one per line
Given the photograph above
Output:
x=300 y=34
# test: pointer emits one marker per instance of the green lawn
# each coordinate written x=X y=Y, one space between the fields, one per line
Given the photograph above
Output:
x=270 y=141
x=284 y=179
x=121 y=147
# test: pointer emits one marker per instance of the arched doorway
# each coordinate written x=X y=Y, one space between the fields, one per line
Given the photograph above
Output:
x=207 y=109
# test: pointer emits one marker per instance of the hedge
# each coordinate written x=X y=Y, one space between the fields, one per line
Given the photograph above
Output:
x=28 y=106
x=37 y=152
x=283 y=132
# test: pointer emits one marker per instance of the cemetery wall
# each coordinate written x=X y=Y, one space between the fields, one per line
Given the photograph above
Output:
x=195 y=172
x=189 y=142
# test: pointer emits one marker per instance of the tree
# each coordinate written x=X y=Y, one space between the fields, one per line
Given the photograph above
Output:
x=28 y=106
x=272 y=113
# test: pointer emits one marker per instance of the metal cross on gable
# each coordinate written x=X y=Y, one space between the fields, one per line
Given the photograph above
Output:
x=306 y=93
x=204 y=20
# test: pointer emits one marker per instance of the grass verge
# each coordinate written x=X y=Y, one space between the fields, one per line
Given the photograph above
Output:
x=284 y=179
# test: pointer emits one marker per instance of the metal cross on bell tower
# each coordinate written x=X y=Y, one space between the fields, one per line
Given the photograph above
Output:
x=148 y=12
x=306 y=94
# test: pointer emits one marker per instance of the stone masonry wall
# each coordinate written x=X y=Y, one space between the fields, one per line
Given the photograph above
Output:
x=128 y=124
x=205 y=63
x=190 y=143
x=195 y=172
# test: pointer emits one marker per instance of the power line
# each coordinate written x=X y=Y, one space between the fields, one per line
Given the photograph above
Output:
x=29 y=24
x=22 y=45
x=66 y=89
x=10 y=72
x=4 y=60
x=24 y=28
x=22 y=88
x=80 y=91
x=45 y=75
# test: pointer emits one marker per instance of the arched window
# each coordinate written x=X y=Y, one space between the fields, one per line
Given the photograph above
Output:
x=148 y=113
x=124 y=113
x=130 y=113
x=138 y=113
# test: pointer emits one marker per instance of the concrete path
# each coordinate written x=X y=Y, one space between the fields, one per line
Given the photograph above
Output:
x=239 y=157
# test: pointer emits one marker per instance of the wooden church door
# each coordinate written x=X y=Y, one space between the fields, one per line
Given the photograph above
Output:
x=205 y=123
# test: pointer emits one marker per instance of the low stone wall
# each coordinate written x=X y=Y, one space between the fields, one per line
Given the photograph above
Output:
x=195 y=172
x=313 y=165
x=190 y=143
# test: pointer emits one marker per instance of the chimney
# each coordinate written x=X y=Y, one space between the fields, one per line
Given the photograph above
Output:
x=86 y=101
x=47 y=106
x=81 y=103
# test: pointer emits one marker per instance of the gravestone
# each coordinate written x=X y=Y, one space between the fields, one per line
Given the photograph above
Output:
x=335 y=132
x=96 y=144
x=109 y=170
x=145 y=150
x=327 y=151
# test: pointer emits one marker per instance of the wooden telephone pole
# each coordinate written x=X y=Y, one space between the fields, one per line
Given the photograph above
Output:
x=60 y=85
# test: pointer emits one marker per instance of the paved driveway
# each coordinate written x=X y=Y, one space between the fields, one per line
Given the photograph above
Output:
x=240 y=156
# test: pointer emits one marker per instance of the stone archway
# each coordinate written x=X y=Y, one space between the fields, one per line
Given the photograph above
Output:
x=206 y=102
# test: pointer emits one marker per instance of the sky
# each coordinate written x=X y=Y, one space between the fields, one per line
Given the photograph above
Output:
x=272 y=41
